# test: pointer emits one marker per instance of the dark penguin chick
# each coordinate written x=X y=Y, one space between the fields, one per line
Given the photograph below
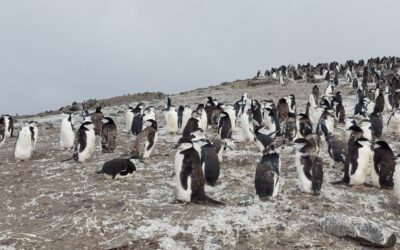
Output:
x=189 y=176
x=209 y=162
x=384 y=165
x=119 y=168
x=376 y=124
x=180 y=116
x=340 y=113
x=326 y=123
x=359 y=109
x=145 y=141
x=97 y=119
x=224 y=126
x=192 y=124
x=256 y=110
x=337 y=149
x=137 y=121
x=380 y=102
x=267 y=174
x=290 y=128
x=305 y=125
x=315 y=141
x=315 y=93
x=282 y=109
x=108 y=135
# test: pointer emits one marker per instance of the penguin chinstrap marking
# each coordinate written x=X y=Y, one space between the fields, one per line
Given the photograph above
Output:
x=384 y=165
x=267 y=174
x=84 y=142
x=67 y=134
x=108 y=135
x=119 y=168
x=24 y=146
x=145 y=141
x=171 y=118
x=189 y=176
x=97 y=119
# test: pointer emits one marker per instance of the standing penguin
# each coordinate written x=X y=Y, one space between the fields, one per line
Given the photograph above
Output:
x=119 y=168
x=379 y=100
x=9 y=125
x=304 y=125
x=337 y=149
x=24 y=145
x=396 y=177
x=97 y=119
x=67 y=136
x=149 y=113
x=191 y=125
x=267 y=174
x=393 y=123
x=290 y=128
x=145 y=140
x=224 y=126
x=376 y=124
x=84 y=142
x=137 y=122
x=186 y=115
x=189 y=176
x=129 y=118
x=384 y=165
x=282 y=109
x=203 y=117
x=108 y=135
x=209 y=162
x=35 y=133
x=246 y=125
x=171 y=117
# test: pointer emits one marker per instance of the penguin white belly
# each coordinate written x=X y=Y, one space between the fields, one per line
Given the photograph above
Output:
x=304 y=183
x=24 y=146
x=232 y=117
x=171 y=118
x=67 y=136
x=396 y=180
x=360 y=175
x=6 y=126
x=182 y=194
x=128 y=120
x=370 y=107
x=204 y=120
x=247 y=130
x=221 y=154
x=90 y=143
x=394 y=125
x=276 y=185
x=330 y=124
x=147 y=153
x=388 y=107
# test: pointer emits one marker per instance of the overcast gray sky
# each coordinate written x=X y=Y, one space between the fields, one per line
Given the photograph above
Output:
x=55 y=52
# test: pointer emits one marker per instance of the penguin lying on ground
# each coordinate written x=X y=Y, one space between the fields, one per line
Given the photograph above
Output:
x=119 y=168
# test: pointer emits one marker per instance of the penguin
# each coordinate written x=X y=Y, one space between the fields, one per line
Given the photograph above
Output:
x=337 y=149
x=314 y=115
x=290 y=128
x=35 y=134
x=267 y=179
x=224 y=126
x=9 y=125
x=393 y=123
x=247 y=128
x=24 y=145
x=119 y=168
x=366 y=126
x=3 y=129
x=357 y=162
x=180 y=116
x=314 y=97
x=379 y=101
x=129 y=118
x=108 y=135
x=137 y=121
x=263 y=138
x=203 y=116
x=271 y=121
x=329 y=88
x=376 y=124
x=309 y=168
x=67 y=135
x=209 y=162
x=189 y=176
x=145 y=140
x=171 y=118
x=192 y=124
x=230 y=110
x=221 y=147
x=97 y=121
x=186 y=115
x=396 y=177
x=304 y=125
x=291 y=101
x=283 y=109
x=387 y=97
x=384 y=165
x=149 y=113
x=85 y=139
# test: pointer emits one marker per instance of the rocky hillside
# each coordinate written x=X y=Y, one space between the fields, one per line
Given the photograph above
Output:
x=54 y=204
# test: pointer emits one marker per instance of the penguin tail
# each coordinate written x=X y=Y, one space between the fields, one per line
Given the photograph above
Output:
x=69 y=159
x=212 y=202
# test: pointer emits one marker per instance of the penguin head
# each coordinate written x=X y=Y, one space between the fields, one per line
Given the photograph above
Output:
x=381 y=144
x=33 y=124
x=196 y=115
x=107 y=120
x=88 y=125
x=98 y=109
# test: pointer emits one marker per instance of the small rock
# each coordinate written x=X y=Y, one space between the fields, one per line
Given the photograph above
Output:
x=367 y=232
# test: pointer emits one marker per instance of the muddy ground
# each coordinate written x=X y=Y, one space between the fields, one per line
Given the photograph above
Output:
x=49 y=204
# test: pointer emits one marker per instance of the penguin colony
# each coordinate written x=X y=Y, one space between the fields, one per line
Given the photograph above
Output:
x=354 y=141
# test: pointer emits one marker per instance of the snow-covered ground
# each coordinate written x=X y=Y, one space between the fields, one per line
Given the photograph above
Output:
x=46 y=203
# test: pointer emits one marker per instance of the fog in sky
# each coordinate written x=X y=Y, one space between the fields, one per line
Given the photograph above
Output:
x=55 y=52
